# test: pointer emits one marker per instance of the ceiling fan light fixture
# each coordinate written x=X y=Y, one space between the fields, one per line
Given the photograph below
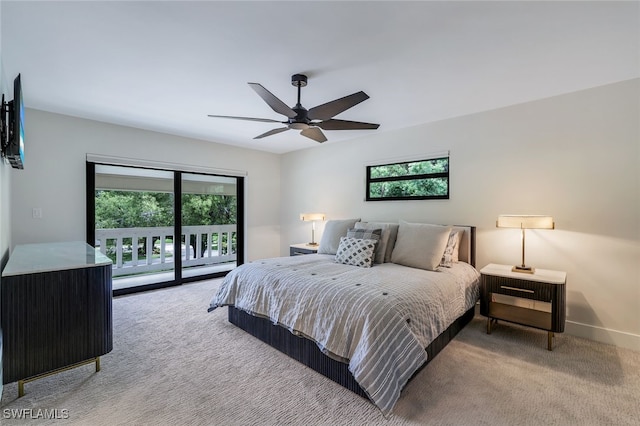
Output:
x=298 y=126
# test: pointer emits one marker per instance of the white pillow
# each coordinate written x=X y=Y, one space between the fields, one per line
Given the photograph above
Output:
x=420 y=245
x=356 y=252
x=333 y=230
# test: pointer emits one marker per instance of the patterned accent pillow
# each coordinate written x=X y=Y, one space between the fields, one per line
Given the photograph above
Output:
x=356 y=251
x=369 y=234
x=450 y=252
x=456 y=250
x=447 y=256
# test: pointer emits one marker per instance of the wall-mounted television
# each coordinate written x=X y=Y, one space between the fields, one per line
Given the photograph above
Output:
x=13 y=127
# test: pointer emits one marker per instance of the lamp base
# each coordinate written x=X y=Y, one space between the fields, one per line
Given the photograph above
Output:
x=523 y=269
x=312 y=244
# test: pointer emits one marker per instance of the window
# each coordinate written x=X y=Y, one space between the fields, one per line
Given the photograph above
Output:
x=410 y=180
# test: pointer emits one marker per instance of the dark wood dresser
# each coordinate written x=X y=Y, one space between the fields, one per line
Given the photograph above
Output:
x=55 y=310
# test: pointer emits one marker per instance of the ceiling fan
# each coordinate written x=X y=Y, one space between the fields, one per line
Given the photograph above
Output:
x=309 y=122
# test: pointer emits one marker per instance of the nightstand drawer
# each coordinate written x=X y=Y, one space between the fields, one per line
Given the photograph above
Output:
x=522 y=303
x=301 y=249
x=520 y=315
x=520 y=288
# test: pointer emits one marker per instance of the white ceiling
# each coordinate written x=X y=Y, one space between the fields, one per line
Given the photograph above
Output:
x=165 y=65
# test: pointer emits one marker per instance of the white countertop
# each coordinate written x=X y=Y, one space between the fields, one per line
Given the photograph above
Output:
x=46 y=257
x=305 y=246
x=540 y=275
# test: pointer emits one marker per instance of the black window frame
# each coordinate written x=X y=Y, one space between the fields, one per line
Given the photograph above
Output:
x=445 y=175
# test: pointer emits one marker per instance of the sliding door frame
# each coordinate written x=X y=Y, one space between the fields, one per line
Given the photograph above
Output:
x=177 y=225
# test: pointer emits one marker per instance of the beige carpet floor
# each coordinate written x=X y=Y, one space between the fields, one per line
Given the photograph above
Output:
x=175 y=364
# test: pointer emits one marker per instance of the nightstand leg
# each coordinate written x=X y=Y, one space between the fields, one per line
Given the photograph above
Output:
x=488 y=325
x=550 y=340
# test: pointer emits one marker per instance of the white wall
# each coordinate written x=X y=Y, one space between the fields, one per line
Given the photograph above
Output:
x=575 y=157
x=54 y=176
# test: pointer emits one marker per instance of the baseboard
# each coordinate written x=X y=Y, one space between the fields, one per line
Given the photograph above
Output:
x=603 y=335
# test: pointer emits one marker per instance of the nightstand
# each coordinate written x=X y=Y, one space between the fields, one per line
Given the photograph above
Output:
x=535 y=300
x=298 y=249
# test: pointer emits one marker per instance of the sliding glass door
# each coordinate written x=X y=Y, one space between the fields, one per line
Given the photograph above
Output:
x=209 y=224
x=163 y=227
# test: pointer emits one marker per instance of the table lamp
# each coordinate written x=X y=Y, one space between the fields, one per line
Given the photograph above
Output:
x=524 y=222
x=312 y=217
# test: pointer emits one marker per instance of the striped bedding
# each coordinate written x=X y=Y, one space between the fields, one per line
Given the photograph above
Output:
x=377 y=319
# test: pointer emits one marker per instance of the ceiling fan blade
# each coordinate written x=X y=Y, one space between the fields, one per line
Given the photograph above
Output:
x=335 y=107
x=276 y=104
x=265 y=120
x=345 y=125
x=272 y=132
x=314 y=133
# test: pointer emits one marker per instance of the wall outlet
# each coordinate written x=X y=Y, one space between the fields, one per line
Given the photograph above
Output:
x=37 y=212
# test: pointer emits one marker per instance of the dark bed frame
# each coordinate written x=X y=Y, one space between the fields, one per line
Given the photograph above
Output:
x=307 y=352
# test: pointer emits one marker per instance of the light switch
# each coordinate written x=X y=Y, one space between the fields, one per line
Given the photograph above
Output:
x=37 y=213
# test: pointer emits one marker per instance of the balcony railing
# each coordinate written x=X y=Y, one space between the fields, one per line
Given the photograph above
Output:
x=143 y=250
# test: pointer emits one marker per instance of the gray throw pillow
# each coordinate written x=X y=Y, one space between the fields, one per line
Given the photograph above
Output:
x=388 y=240
x=383 y=240
x=333 y=230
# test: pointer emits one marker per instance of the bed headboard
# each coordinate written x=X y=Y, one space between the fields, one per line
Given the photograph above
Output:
x=467 y=250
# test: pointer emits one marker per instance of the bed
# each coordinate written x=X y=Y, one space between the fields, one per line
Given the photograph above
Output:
x=370 y=328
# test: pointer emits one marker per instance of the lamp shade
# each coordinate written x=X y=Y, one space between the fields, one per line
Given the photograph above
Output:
x=309 y=217
x=525 y=221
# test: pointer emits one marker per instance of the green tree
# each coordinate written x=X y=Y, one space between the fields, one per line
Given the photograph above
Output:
x=133 y=209
x=128 y=209
x=407 y=185
x=205 y=209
